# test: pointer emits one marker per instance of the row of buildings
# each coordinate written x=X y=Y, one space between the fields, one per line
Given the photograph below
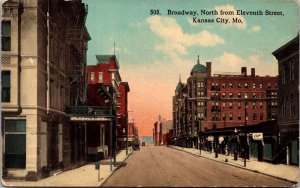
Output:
x=57 y=112
x=256 y=116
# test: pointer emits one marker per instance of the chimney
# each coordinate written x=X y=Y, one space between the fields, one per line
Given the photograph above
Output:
x=208 y=69
x=244 y=71
x=253 y=72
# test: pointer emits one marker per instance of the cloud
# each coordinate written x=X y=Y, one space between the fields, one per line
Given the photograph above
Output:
x=175 y=39
x=256 y=29
x=229 y=62
x=231 y=8
x=168 y=29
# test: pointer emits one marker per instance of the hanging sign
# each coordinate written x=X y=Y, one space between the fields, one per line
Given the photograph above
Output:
x=257 y=136
x=221 y=139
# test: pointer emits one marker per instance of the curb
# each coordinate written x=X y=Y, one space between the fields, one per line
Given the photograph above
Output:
x=256 y=171
x=114 y=170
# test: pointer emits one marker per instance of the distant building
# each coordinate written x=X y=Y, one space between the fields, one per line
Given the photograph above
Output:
x=122 y=127
x=161 y=128
x=288 y=118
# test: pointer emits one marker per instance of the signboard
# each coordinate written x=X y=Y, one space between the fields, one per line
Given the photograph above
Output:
x=257 y=136
x=210 y=138
x=221 y=139
x=89 y=119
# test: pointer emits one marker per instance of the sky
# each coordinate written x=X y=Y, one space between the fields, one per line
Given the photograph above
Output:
x=154 y=49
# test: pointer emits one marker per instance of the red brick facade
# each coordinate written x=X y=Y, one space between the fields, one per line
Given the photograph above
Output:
x=231 y=96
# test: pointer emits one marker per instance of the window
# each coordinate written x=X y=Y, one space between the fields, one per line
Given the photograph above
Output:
x=230 y=105
x=5 y=80
x=6 y=36
x=224 y=116
x=282 y=75
x=254 y=105
x=15 y=143
x=239 y=116
x=230 y=95
x=246 y=95
x=269 y=85
x=254 y=95
x=239 y=95
x=201 y=84
x=292 y=68
x=224 y=105
x=100 y=77
x=260 y=86
x=293 y=107
x=198 y=84
x=254 y=115
x=261 y=105
x=239 y=105
x=198 y=94
x=261 y=116
x=246 y=115
x=223 y=95
x=246 y=85
x=261 y=95
x=230 y=85
x=230 y=116
x=201 y=93
x=223 y=85
x=239 y=85
x=253 y=85
x=92 y=76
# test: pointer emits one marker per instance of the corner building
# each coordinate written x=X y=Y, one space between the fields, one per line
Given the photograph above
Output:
x=43 y=52
x=288 y=117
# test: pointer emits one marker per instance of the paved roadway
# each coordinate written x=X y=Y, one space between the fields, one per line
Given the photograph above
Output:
x=163 y=166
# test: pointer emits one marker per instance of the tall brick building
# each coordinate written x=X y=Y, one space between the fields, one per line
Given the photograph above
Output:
x=225 y=106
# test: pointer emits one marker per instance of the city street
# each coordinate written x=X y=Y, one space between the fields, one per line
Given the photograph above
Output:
x=163 y=166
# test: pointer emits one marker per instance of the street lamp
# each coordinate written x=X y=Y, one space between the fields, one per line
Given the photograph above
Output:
x=215 y=141
x=200 y=135
x=245 y=131
x=124 y=131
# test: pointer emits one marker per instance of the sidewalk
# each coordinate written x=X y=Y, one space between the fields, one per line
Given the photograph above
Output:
x=285 y=172
x=83 y=176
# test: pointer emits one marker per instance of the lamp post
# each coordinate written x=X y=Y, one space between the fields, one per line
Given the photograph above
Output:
x=124 y=131
x=215 y=141
x=245 y=131
x=200 y=145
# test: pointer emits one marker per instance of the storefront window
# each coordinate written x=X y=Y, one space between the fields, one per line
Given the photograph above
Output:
x=15 y=143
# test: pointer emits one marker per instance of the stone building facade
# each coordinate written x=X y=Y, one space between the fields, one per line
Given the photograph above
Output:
x=41 y=41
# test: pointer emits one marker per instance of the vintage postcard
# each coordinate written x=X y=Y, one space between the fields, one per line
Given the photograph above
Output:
x=150 y=93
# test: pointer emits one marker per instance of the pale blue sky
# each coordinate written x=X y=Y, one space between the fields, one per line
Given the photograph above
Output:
x=156 y=49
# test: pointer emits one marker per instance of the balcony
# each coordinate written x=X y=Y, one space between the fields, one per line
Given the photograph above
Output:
x=90 y=113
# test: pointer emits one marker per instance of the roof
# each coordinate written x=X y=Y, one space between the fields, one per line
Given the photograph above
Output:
x=198 y=68
x=285 y=46
x=179 y=87
x=104 y=59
